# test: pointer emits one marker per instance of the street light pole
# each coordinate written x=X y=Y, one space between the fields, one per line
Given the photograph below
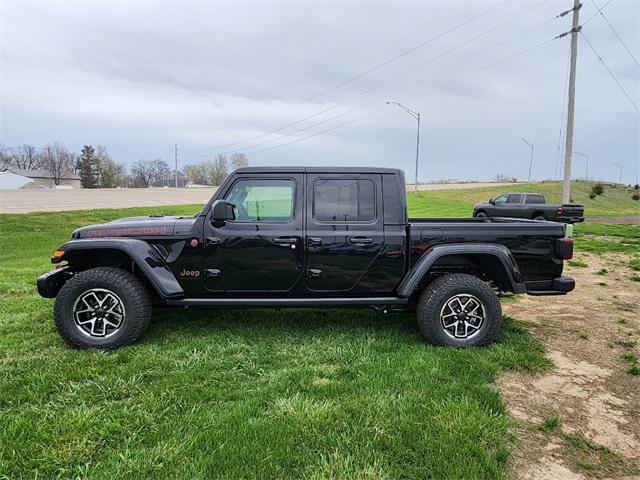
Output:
x=415 y=115
x=620 y=166
x=530 y=158
x=587 y=157
x=634 y=172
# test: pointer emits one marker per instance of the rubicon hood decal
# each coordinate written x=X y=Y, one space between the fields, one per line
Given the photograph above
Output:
x=128 y=231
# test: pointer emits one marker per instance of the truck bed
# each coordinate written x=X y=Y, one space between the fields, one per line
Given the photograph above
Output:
x=532 y=242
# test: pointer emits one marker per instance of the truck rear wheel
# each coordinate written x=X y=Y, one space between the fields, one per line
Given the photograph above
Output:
x=102 y=307
x=459 y=310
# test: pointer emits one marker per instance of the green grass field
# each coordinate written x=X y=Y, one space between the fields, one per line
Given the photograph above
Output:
x=245 y=394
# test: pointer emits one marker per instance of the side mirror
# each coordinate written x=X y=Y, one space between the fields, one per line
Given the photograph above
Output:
x=221 y=211
x=491 y=201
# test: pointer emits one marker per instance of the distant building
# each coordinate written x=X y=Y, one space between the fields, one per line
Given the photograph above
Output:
x=16 y=178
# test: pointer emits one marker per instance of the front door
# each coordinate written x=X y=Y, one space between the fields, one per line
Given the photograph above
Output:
x=345 y=230
x=261 y=250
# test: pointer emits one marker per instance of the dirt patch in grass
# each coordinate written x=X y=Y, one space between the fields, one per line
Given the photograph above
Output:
x=591 y=335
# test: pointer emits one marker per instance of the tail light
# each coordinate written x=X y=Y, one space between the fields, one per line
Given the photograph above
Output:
x=558 y=210
x=564 y=248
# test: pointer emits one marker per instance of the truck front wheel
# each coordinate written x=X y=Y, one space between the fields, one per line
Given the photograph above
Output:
x=459 y=310
x=102 y=307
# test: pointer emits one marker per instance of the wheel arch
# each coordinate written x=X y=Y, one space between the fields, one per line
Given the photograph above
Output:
x=488 y=261
x=133 y=255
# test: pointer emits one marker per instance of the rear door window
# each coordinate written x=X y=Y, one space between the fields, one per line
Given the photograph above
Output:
x=534 y=199
x=344 y=201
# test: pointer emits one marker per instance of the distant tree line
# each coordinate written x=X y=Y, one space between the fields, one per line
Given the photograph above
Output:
x=214 y=171
x=97 y=169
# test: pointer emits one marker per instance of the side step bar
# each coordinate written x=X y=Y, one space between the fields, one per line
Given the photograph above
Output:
x=287 y=302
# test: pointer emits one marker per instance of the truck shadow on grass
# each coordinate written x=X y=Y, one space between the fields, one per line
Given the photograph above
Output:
x=514 y=348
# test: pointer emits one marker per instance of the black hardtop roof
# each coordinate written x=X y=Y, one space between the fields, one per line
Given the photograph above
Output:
x=522 y=193
x=318 y=170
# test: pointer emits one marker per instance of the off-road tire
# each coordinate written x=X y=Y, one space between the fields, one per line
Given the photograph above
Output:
x=433 y=300
x=130 y=290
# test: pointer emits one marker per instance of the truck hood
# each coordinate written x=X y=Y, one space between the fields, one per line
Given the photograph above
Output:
x=141 y=227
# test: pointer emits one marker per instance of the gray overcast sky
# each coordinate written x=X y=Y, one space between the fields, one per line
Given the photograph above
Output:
x=139 y=76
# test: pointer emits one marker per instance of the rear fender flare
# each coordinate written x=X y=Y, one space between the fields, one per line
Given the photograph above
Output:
x=145 y=257
x=411 y=281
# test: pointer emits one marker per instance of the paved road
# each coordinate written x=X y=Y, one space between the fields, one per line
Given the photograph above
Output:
x=25 y=201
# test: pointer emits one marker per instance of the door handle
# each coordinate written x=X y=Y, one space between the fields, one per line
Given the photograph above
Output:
x=314 y=241
x=359 y=240
x=212 y=241
x=313 y=272
x=285 y=240
x=211 y=273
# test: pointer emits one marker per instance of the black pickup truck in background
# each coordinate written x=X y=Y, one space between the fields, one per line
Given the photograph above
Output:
x=529 y=205
x=303 y=237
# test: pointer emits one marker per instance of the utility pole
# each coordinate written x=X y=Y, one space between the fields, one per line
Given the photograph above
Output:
x=176 y=158
x=587 y=158
x=530 y=158
x=415 y=115
x=571 y=105
x=619 y=166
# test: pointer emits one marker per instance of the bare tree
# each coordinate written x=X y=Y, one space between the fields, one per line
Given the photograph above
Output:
x=5 y=157
x=217 y=170
x=110 y=173
x=58 y=160
x=25 y=157
x=239 y=160
x=196 y=173
x=147 y=173
x=142 y=173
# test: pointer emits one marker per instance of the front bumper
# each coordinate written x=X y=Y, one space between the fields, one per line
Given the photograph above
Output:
x=50 y=283
x=558 y=286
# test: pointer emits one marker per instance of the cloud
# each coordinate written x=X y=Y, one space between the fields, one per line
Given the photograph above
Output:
x=139 y=76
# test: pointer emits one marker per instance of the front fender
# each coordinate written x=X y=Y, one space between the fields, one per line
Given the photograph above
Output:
x=422 y=266
x=145 y=257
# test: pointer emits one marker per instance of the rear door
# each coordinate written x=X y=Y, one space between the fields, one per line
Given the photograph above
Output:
x=513 y=205
x=345 y=230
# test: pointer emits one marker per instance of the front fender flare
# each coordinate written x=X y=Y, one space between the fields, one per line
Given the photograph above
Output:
x=410 y=282
x=145 y=257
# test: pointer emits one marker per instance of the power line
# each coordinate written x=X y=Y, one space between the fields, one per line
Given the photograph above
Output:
x=395 y=77
x=397 y=90
x=522 y=52
x=616 y=34
x=615 y=79
x=370 y=70
x=599 y=11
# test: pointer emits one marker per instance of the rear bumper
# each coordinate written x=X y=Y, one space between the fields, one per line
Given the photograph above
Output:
x=557 y=286
x=564 y=219
x=50 y=283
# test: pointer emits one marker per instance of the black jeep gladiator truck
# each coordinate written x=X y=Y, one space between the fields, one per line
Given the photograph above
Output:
x=529 y=205
x=303 y=237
